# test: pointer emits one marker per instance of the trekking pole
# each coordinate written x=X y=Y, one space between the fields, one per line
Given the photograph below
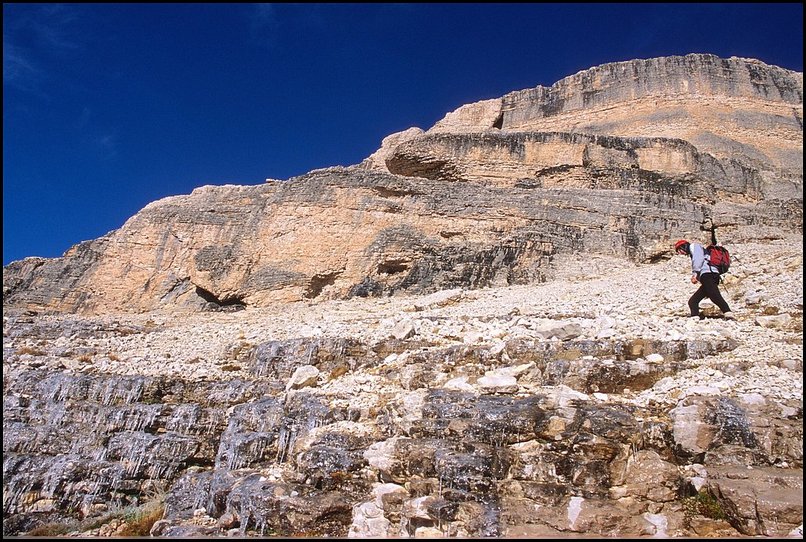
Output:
x=711 y=228
x=714 y=242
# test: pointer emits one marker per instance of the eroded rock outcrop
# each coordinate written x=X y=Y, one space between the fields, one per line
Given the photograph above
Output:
x=613 y=160
x=340 y=233
x=716 y=104
x=560 y=409
x=560 y=426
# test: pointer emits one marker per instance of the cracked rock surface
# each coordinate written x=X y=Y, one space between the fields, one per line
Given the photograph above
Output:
x=588 y=404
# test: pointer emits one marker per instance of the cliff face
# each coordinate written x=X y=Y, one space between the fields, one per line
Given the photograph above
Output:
x=730 y=108
x=617 y=159
x=741 y=115
x=342 y=233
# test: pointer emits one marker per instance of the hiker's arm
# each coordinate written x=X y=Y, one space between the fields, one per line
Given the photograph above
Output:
x=697 y=259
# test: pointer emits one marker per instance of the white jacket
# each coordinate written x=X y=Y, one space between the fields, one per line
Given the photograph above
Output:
x=700 y=263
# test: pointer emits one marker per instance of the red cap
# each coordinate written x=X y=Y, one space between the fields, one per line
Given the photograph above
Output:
x=680 y=244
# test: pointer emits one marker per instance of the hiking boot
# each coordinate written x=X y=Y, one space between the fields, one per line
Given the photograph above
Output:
x=729 y=316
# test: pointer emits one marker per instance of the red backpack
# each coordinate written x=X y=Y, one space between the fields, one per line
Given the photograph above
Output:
x=719 y=257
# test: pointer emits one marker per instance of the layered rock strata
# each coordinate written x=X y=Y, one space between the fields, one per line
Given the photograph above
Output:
x=614 y=160
x=718 y=105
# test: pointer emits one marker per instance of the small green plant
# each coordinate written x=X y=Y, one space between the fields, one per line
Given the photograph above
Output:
x=51 y=529
x=704 y=504
x=130 y=520
x=140 y=520
x=136 y=520
x=89 y=524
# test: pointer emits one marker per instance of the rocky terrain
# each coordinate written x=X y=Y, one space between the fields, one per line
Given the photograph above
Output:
x=479 y=331
x=589 y=404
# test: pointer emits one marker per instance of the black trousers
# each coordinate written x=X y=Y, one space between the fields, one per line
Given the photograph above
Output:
x=709 y=287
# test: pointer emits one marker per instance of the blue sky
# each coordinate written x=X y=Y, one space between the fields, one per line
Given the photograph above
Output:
x=108 y=107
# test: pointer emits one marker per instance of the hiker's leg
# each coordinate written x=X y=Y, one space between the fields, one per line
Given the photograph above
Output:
x=710 y=283
x=694 y=301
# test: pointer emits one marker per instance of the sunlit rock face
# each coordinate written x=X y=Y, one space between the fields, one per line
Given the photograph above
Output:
x=733 y=109
x=616 y=159
x=479 y=331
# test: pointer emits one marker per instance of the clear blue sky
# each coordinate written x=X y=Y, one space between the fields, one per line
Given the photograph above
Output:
x=108 y=107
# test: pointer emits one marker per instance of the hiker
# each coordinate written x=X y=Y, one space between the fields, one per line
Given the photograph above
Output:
x=707 y=275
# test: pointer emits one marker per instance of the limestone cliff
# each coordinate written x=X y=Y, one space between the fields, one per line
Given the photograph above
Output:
x=618 y=160
x=732 y=108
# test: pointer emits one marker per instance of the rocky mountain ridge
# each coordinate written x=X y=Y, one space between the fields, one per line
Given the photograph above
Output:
x=488 y=196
